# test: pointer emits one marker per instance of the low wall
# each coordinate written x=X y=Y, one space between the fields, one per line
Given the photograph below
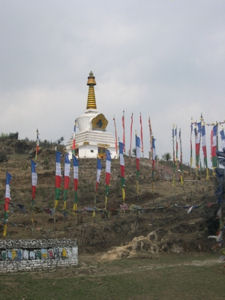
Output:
x=29 y=255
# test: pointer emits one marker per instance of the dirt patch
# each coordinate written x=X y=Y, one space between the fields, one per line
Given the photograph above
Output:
x=138 y=245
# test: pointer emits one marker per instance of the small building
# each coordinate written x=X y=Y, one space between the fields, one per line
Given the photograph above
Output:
x=92 y=139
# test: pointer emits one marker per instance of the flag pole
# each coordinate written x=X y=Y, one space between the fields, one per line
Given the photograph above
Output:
x=122 y=170
x=66 y=180
x=181 y=159
x=37 y=144
x=98 y=175
x=116 y=144
x=215 y=148
x=36 y=157
x=150 y=137
x=141 y=135
x=7 y=201
x=123 y=125
x=75 y=181
x=204 y=148
x=197 y=130
x=153 y=160
x=191 y=146
x=34 y=184
x=138 y=154
x=174 y=163
x=74 y=138
x=58 y=178
x=151 y=150
x=107 y=177
x=131 y=135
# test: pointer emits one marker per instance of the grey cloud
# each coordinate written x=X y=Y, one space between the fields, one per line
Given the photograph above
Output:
x=163 y=58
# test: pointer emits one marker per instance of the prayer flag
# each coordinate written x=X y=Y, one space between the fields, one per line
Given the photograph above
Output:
x=107 y=176
x=7 y=191
x=58 y=173
x=211 y=142
x=75 y=178
x=122 y=164
x=99 y=170
x=74 y=138
x=37 y=145
x=142 y=142
x=7 y=201
x=98 y=175
x=153 y=153
x=191 y=150
x=138 y=153
x=181 y=159
x=66 y=178
x=181 y=153
x=66 y=172
x=203 y=132
x=173 y=137
x=174 y=157
x=150 y=135
x=222 y=135
x=108 y=167
x=75 y=172
x=176 y=140
x=197 y=144
x=116 y=145
x=122 y=170
x=214 y=146
x=33 y=178
x=123 y=125
x=131 y=134
x=58 y=177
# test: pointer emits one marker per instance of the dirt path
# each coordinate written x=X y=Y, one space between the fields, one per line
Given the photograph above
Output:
x=93 y=266
x=118 y=267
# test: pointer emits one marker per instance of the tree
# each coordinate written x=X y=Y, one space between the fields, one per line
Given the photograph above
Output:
x=134 y=151
x=166 y=156
x=60 y=140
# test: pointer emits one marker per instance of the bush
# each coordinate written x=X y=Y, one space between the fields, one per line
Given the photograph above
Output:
x=22 y=147
x=11 y=136
x=166 y=156
x=14 y=136
x=46 y=164
x=3 y=156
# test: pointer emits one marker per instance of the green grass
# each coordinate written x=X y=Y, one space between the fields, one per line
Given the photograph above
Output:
x=165 y=278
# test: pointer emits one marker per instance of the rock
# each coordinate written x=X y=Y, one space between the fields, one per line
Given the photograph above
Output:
x=152 y=236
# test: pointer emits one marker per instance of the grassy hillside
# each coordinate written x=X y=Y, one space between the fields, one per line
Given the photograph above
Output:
x=162 y=206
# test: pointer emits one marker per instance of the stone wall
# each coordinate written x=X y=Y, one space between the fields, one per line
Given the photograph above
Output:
x=29 y=255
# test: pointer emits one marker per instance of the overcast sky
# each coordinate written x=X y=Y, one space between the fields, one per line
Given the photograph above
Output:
x=163 y=58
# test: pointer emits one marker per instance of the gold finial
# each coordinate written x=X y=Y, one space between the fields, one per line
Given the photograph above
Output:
x=91 y=103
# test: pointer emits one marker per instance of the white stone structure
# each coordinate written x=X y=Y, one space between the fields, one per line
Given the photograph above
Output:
x=30 y=255
x=92 y=139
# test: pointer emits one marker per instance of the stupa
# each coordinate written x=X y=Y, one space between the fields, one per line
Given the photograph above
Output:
x=92 y=139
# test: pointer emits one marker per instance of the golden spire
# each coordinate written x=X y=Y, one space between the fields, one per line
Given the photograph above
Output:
x=91 y=104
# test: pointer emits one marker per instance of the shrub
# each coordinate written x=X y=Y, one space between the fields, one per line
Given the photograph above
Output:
x=46 y=164
x=166 y=156
x=14 y=136
x=11 y=136
x=22 y=147
x=3 y=156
